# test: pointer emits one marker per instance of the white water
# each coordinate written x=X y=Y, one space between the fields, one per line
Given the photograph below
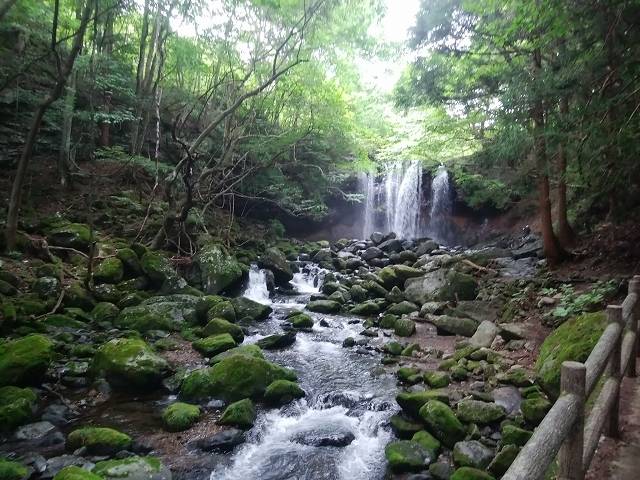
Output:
x=367 y=184
x=308 y=279
x=441 y=206
x=257 y=287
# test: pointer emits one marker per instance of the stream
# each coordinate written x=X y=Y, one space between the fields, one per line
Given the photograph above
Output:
x=339 y=430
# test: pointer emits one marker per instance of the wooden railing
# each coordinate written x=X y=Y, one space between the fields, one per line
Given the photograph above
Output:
x=566 y=432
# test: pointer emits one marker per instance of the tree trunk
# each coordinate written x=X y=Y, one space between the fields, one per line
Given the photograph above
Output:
x=27 y=151
x=610 y=92
x=566 y=235
x=64 y=158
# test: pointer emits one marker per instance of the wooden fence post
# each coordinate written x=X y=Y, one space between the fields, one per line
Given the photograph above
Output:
x=614 y=315
x=573 y=381
x=634 y=287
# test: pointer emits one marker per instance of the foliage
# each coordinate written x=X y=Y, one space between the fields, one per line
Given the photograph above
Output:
x=574 y=303
x=480 y=192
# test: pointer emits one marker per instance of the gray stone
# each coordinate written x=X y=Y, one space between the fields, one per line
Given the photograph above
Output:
x=485 y=334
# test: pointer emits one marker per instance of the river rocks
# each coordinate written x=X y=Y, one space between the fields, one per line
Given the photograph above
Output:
x=220 y=325
x=412 y=402
x=423 y=289
x=239 y=414
x=215 y=344
x=469 y=473
x=248 y=350
x=322 y=438
x=98 y=440
x=442 y=422
x=12 y=470
x=370 y=307
x=24 y=361
x=371 y=253
x=407 y=456
x=324 y=306
x=428 y=441
x=573 y=340
x=214 y=306
x=222 y=442
x=472 y=454
x=390 y=246
x=109 y=270
x=278 y=341
x=73 y=472
x=45 y=287
x=180 y=416
x=402 y=308
x=454 y=325
x=157 y=267
x=248 y=310
x=233 y=378
x=534 y=409
x=404 y=327
x=215 y=271
x=105 y=312
x=16 y=406
x=71 y=235
x=437 y=379
x=282 y=392
x=484 y=335
x=478 y=412
x=426 y=247
x=503 y=460
x=158 y=313
x=512 y=435
x=39 y=435
x=132 y=468
x=300 y=320
x=274 y=260
x=129 y=363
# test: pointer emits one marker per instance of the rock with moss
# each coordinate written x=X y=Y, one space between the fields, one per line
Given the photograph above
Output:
x=215 y=344
x=402 y=308
x=215 y=271
x=129 y=363
x=24 y=361
x=472 y=453
x=407 y=456
x=512 y=435
x=469 y=473
x=412 y=402
x=109 y=270
x=404 y=327
x=73 y=472
x=478 y=412
x=274 y=260
x=277 y=341
x=503 y=460
x=10 y=470
x=219 y=325
x=75 y=295
x=168 y=313
x=105 y=312
x=571 y=341
x=248 y=310
x=222 y=309
x=388 y=321
x=437 y=379
x=132 y=468
x=324 y=306
x=241 y=414
x=130 y=262
x=99 y=440
x=370 y=307
x=301 y=321
x=428 y=441
x=16 y=407
x=447 y=325
x=535 y=409
x=281 y=392
x=46 y=287
x=234 y=378
x=404 y=427
x=71 y=235
x=442 y=422
x=248 y=350
x=157 y=267
x=180 y=416
x=60 y=321
x=393 y=348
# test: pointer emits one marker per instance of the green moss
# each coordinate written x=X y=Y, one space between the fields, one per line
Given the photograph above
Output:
x=468 y=473
x=105 y=312
x=136 y=467
x=157 y=267
x=71 y=235
x=76 y=295
x=442 y=423
x=535 y=409
x=223 y=309
x=503 y=460
x=99 y=440
x=412 y=402
x=130 y=261
x=218 y=270
x=458 y=286
x=25 y=361
x=239 y=414
x=12 y=470
x=403 y=427
x=404 y=327
x=247 y=309
x=16 y=406
x=109 y=270
x=75 y=473
x=428 y=441
x=324 y=306
x=220 y=325
x=281 y=392
x=437 y=379
x=249 y=350
x=370 y=307
x=180 y=416
x=407 y=456
x=515 y=435
x=301 y=321
x=213 y=345
x=573 y=340
x=481 y=413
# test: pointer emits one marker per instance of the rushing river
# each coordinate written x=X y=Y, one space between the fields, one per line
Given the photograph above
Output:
x=339 y=430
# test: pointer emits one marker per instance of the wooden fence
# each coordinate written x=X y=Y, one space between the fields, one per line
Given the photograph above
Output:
x=566 y=432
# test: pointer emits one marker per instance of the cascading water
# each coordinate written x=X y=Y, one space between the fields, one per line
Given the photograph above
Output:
x=441 y=205
x=257 y=289
x=308 y=279
x=367 y=183
x=406 y=191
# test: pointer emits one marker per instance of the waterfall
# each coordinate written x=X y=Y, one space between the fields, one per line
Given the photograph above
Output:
x=308 y=279
x=257 y=288
x=367 y=184
x=441 y=205
x=403 y=198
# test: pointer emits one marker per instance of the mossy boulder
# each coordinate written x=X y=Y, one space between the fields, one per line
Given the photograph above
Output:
x=412 y=402
x=478 y=412
x=512 y=435
x=132 y=468
x=109 y=270
x=180 y=416
x=75 y=295
x=215 y=270
x=99 y=440
x=404 y=327
x=469 y=473
x=71 y=235
x=437 y=379
x=222 y=309
x=215 y=344
x=75 y=473
x=442 y=422
x=427 y=441
x=24 y=361
x=407 y=456
x=402 y=308
x=388 y=321
x=169 y=313
x=458 y=286
x=16 y=407
x=157 y=267
x=240 y=414
x=571 y=341
x=219 y=325
x=370 y=307
x=10 y=470
x=129 y=363
x=503 y=460
x=249 y=350
x=46 y=287
x=301 y=320
x=274 y=260
x=282 y=392
x=447 y=325
x=403 y=427
x=247 y=309
x=130 y=262
x=534 y=409
x=234 y=378
x=472 y=453
x=324 y=306
x=105 y=312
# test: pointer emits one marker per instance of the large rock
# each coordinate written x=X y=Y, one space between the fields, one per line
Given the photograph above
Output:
x=478 y=412
x=404 y=327
x=441 y=285
x=158 y=268
x=109 y=270
x=215 y=344
x=573 y=340
x=412 y=402
x=132 y=468
x=470 y=473
x=158 y=313
x=247 y=309
x=99 y=440
x=472 y=454
x=180 y=416
x=240 y=414
x=442 y=423
x=274 y=260
x=277 y=341
x=281 y=392
x=71 y=235
x=454 y=325
x=407 y=456
x=220 y=325
x=129 y=363
x=234 y=378
x=324 y=306
x=25 y=361
x=215 y=270
x=17 y=406
x=485 y=334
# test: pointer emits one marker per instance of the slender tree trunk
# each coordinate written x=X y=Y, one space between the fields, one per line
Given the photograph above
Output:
x=105 y=126
x=27 y=151
x=610 y=91
x=566 y=234
x=64 y=158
